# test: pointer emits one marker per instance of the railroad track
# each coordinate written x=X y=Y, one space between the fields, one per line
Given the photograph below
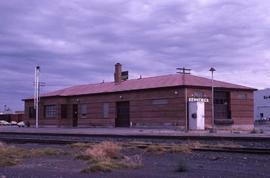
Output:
x=259 y=145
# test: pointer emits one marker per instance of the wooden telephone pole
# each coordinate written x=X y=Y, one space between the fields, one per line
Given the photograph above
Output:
x=185 y=71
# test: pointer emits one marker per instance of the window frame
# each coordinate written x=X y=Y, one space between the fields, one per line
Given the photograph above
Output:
x=50 y=111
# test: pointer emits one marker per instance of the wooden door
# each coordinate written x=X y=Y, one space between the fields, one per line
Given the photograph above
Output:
x=122 y=119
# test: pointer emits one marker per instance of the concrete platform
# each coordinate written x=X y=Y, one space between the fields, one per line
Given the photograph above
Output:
x=130 y=132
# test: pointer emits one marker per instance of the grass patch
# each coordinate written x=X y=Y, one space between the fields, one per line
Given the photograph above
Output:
x=81 y=146
x=106 y=156
x=11 y=155
x=160 y=148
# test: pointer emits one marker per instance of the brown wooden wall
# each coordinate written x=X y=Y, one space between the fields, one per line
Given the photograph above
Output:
x=142 y=110
x=242 y=109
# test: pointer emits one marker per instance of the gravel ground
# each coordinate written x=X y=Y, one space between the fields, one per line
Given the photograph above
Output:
x=198 y=164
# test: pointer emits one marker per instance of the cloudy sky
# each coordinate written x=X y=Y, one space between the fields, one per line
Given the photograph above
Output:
x=79 y=41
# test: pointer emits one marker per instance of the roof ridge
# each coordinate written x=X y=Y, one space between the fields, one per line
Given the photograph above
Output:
x=124 y=80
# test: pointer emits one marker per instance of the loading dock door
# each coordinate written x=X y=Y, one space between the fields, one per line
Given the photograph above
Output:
x=196 y=116
x=122 y=118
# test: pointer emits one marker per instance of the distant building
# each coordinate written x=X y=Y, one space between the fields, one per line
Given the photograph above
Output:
x=262 y=104
x=16 y=116
x=176 y=100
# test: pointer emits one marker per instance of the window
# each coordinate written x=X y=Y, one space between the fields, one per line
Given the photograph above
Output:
x=32 y=112
x=160 y=101
x=83 y=110
x=50 y=111
x=63 y=111
x=106 y=110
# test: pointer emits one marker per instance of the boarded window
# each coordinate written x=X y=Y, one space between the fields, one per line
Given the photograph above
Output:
x=50 y=111
x=106 y=110
x=32 y=112
x=198 y=94
x=242 y=96
x=160 y=101
x=63 y=111
x=83 y=110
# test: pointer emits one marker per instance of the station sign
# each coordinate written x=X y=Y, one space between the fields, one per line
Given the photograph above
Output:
x=193 y=99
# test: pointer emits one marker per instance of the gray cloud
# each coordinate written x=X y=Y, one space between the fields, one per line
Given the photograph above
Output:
x=78 y=41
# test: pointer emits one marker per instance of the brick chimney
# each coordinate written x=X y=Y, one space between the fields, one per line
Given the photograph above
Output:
x=118 y=73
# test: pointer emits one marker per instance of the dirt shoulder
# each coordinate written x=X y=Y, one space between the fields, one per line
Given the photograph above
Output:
x=155 y=165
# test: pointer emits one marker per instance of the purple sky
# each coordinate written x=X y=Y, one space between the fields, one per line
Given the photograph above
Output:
x=79 y=41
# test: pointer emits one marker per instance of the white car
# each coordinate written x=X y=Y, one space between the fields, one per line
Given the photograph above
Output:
x=13 y=123
x=21 y=124
x=4 y=123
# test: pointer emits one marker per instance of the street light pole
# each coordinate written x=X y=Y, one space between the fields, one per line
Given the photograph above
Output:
x=212 y=70
x=37 y=93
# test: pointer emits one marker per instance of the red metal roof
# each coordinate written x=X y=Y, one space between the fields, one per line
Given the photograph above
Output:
x=172 y=80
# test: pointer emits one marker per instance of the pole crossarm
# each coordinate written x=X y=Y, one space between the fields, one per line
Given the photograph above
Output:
x=183 y=70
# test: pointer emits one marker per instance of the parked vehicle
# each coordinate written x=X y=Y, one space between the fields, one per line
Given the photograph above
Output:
x=4 y=123
x=21 y=124
x=14 y=123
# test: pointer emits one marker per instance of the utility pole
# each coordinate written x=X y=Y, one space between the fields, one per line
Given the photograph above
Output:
x=185 y=71
x=37 y=93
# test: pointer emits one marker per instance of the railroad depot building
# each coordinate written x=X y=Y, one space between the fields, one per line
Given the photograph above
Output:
x=176 y=100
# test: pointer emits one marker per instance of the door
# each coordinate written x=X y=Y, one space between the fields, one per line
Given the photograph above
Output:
x=196 y=116
x=75 y=115
x=201 y=116
x=122 y=116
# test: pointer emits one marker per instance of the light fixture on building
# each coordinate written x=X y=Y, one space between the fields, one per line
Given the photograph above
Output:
x=121 y=97
x=176 y=92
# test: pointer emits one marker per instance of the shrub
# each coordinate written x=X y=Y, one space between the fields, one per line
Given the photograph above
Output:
x=11 y=155
x=106 y=156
